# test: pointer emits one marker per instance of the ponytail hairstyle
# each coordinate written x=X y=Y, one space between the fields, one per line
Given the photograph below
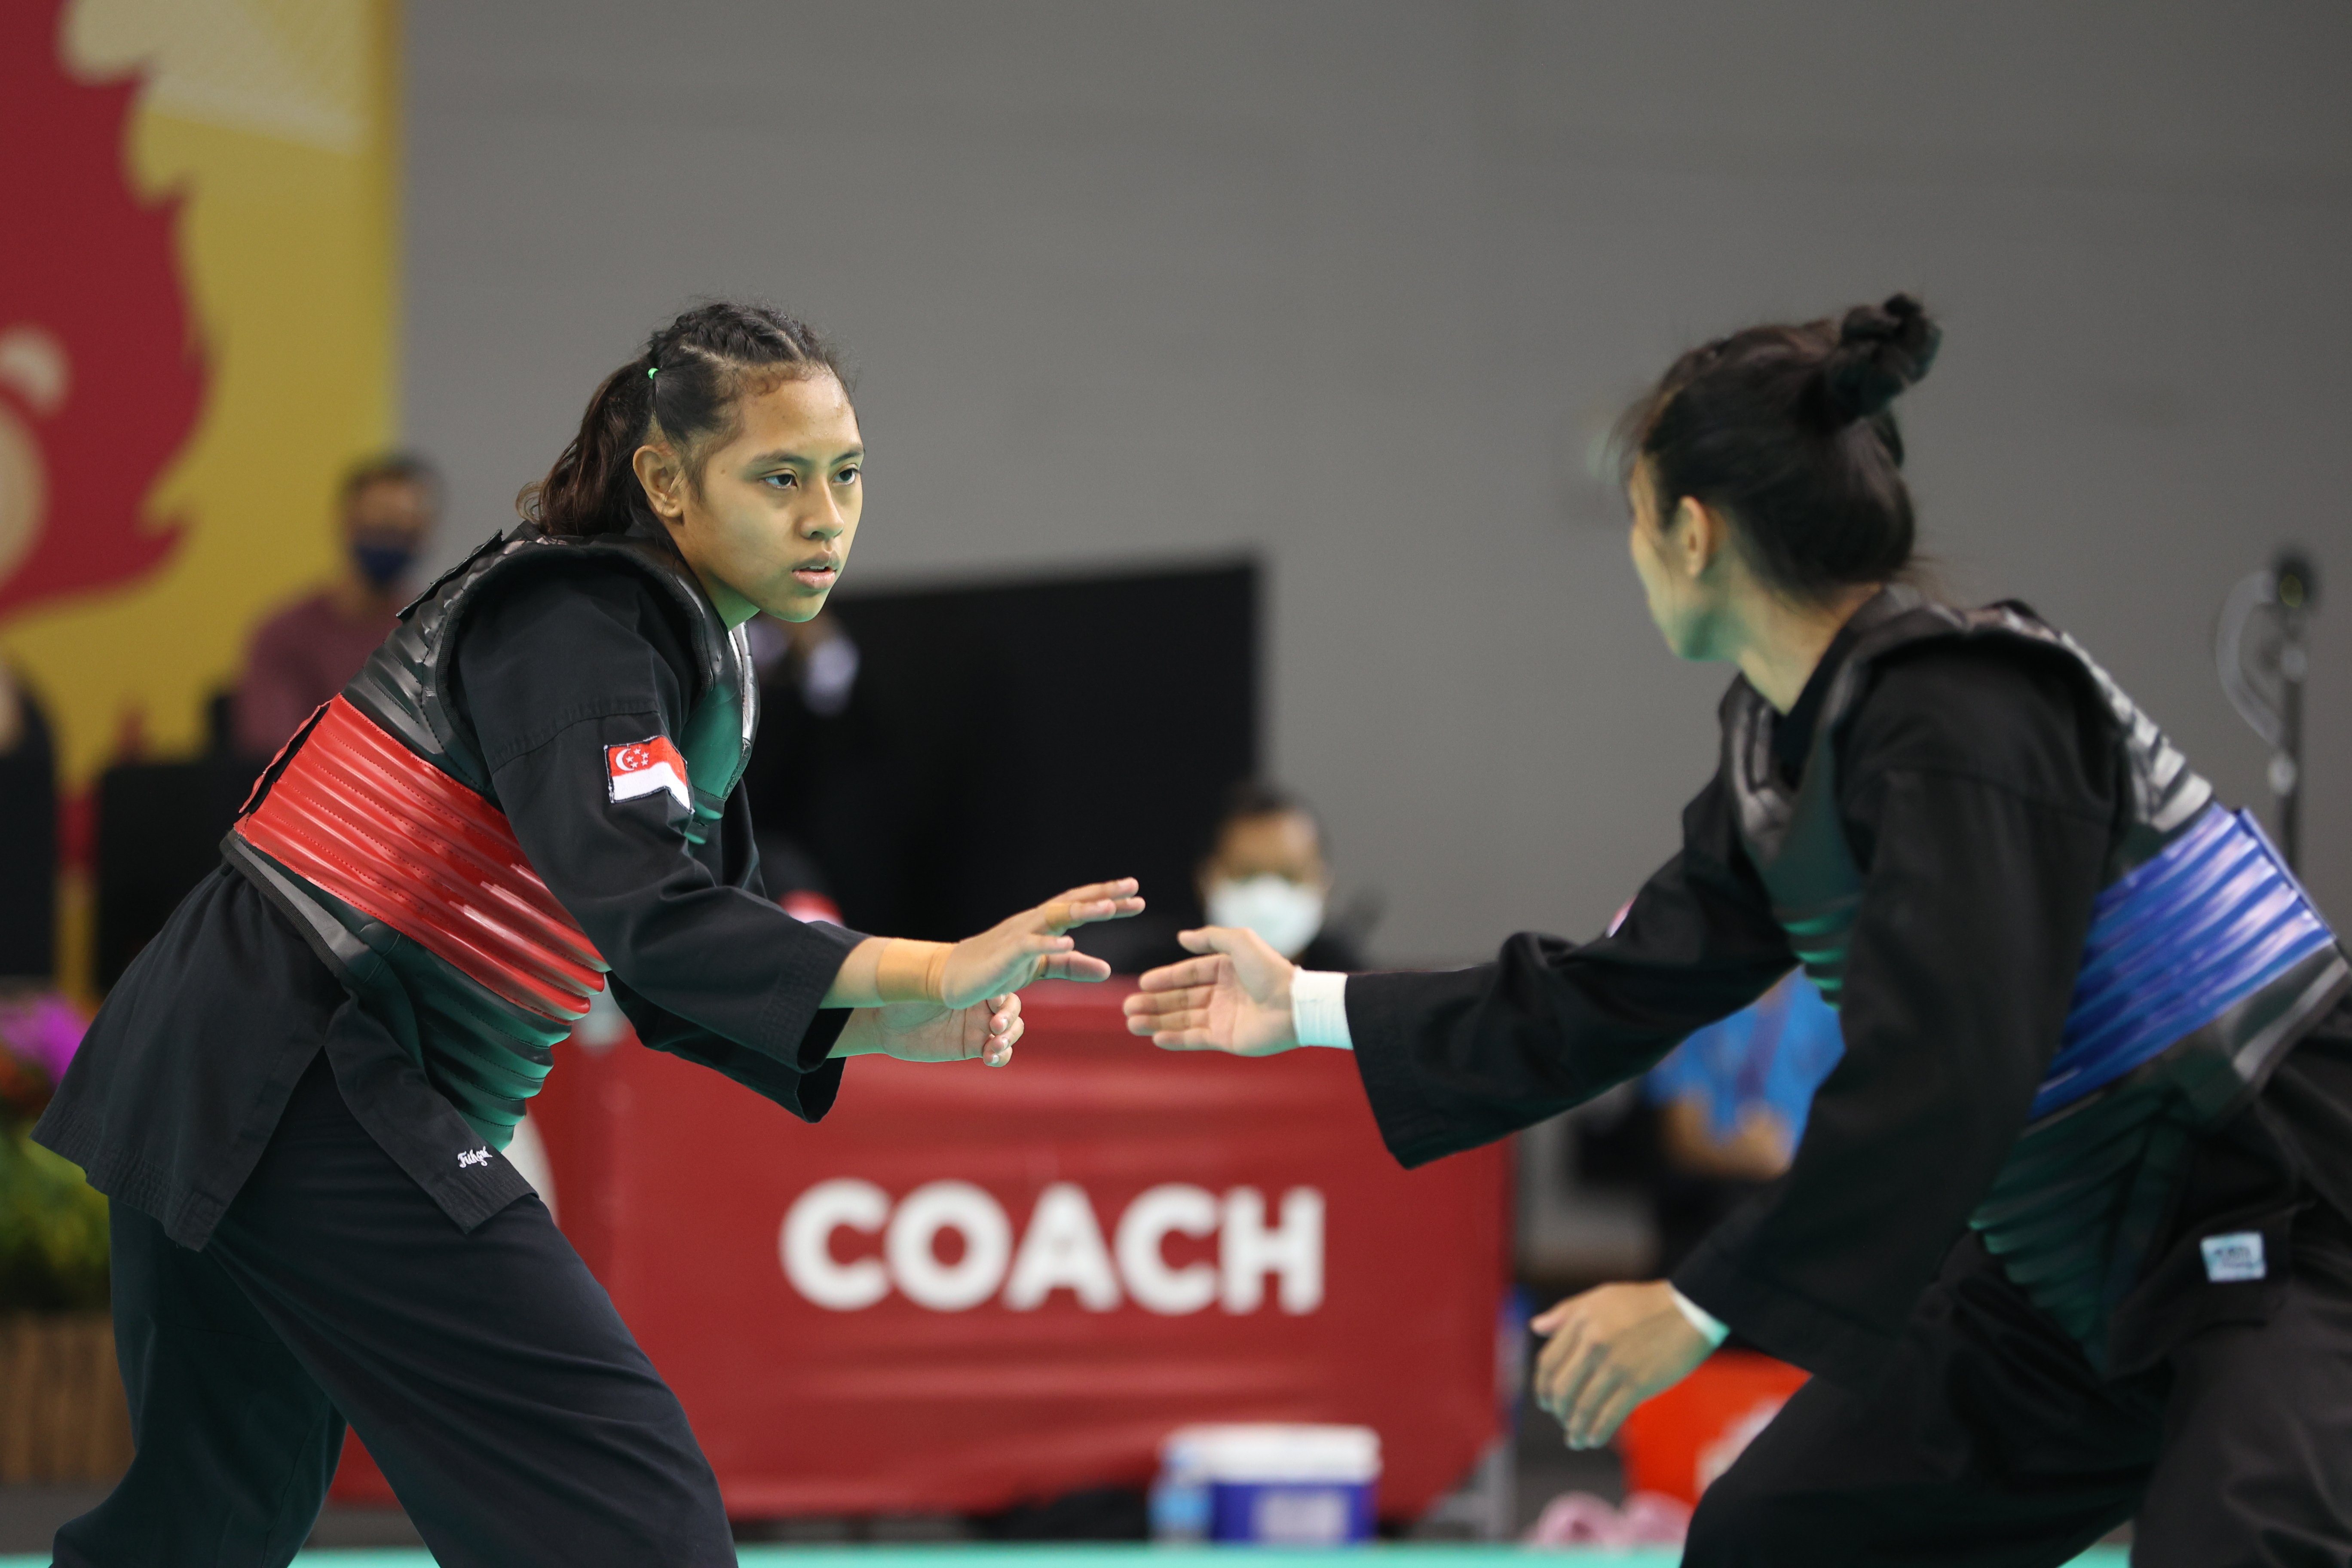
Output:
x=1788 y=431
x=683 y=389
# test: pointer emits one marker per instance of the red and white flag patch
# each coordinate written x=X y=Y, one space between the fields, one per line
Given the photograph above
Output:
x=646 y=767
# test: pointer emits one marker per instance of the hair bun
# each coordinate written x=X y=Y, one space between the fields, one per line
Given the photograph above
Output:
x=1881 y=350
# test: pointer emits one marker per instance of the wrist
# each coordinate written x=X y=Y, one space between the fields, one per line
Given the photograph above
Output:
x=1317 y=1006
x=912 y=972
x=861 y=1036
x=1705 y=1324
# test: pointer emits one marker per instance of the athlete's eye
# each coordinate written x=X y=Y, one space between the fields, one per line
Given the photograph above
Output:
x=783 y=481
x=847 y=476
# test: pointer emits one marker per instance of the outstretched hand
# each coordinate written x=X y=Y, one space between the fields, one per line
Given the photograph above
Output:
x=1612 y=1348
x=1235 y=998
x=915 y=1032
x=1031 y=946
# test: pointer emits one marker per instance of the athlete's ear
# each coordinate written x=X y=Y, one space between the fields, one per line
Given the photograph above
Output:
x=664 y=478
x=1699 y=535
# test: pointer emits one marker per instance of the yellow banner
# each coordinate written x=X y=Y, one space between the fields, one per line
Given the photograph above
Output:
x=197 y=321
x=268 y=132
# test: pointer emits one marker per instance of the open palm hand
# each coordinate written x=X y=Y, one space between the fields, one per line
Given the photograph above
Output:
x=1235 y=997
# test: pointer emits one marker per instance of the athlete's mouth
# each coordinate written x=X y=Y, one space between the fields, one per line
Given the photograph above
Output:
x=817 y=573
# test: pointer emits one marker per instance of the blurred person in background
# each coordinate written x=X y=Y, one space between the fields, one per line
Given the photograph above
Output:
x=2067 y=1241
x=28 y=846
x=1264 y=870
x=808 y=674
x=303 y=654
x=1731 y=1102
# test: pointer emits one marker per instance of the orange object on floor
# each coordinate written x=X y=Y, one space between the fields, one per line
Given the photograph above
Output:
x=1684 y=1439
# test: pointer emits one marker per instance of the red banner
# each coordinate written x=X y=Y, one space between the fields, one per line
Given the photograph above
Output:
x=99 y=380
x=970 y=1288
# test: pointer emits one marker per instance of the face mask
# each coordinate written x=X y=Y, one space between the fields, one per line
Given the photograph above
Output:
x=382 y=564
x=1286 y=913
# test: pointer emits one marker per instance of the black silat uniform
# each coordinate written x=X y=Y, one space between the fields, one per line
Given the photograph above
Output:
x=307 y=1230
x=1979 y=794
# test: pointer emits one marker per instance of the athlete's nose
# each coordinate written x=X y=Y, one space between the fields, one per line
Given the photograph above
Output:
x=824 y=522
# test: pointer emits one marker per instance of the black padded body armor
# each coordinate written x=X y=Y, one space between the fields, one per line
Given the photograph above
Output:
x=405 y=685
x=430 y=877
x=2204 y=963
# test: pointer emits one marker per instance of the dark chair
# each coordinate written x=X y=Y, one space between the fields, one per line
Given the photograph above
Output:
x=159 y=830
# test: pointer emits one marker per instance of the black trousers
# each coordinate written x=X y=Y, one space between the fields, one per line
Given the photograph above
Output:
x=509 y=1407
x=1991 y=1443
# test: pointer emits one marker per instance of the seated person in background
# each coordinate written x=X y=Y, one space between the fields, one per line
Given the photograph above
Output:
x=304 y=653
x=1732 y=1102
x=815 y=657
x=808 y=673
x=1264 y=870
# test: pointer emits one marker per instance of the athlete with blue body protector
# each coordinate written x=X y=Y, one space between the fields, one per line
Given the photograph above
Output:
x=2068 y=1236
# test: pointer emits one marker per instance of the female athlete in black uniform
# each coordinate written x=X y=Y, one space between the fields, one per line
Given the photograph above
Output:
x=296 y=1095
x=2066 y=1238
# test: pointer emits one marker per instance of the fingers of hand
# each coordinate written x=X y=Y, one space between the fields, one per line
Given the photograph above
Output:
x=1174 y=1021
x=1095 y=892
x=1147 y=1012
x=1207 y=939
x=1078 y=966
x=1593 y=1360
x=1555 y=1362
x=1096 y=901
x=1002 y=1026
x=1238 y=941
x=1189 y=972
x=1601 y=1392
x=1061 y=915
x=1613 y=1416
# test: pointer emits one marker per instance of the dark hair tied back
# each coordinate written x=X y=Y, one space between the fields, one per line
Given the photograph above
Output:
x=683 y=388
x=1789 y=431
x=1881 y=350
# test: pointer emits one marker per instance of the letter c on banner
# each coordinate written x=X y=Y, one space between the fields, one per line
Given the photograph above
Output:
x=910 y=1246
x=807 y=1243
x=1155 y=1286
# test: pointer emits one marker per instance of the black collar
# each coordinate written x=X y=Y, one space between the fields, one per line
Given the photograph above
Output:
x=1792 y=734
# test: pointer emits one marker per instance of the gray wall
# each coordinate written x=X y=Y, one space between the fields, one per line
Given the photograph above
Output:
x=1355 y=286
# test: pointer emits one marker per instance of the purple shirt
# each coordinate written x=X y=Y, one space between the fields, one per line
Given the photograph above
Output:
x=299 y=658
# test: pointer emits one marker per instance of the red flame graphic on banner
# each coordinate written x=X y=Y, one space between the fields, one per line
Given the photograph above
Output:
x=100 y=378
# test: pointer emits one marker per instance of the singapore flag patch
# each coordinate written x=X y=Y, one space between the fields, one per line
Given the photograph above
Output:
x=646 y=767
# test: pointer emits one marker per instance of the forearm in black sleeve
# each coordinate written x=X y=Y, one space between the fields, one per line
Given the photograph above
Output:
x=1455 y=1059
x=716 y=956
x=806 y=1087
x=1956 y=986
x=554 y=676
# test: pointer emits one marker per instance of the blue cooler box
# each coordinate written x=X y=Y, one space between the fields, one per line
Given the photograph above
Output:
x=1267 y=1485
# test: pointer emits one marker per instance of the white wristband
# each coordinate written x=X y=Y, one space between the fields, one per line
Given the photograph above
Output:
x=1318 y=1008
x=1710 y=1328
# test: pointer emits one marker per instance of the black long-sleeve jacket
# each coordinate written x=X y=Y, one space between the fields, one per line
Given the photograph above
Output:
x=187 y=1067
x=1979 y=800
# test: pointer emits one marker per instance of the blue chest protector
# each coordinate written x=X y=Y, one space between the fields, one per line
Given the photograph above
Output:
x=2204 y=963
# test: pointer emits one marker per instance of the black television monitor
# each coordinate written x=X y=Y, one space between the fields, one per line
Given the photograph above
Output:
x=1005 y=740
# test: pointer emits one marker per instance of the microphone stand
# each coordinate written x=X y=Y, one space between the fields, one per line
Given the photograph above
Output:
x=2264 y=675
